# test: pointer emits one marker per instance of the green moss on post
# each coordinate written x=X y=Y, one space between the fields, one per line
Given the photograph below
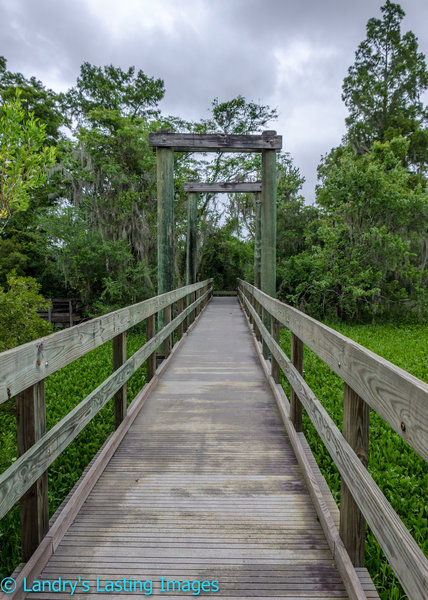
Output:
x=258 y=240
x=268 y=229
x=192 y=240
x=192 y=224
x=165 y=183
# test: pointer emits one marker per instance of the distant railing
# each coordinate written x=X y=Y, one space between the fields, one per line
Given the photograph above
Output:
x=62 y=311
x=370 y=381
x=24 y=369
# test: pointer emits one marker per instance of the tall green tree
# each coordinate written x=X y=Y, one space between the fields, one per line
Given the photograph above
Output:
x=384 y=86
x=109 y=88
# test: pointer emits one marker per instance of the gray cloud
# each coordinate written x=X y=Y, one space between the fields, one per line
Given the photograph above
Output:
x=291 y=55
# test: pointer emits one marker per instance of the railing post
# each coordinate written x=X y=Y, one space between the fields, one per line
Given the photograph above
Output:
x=259 y=312
x=258 y=241
x=34 y=506
x=268 y=229
x=192 y=238
x=180 y=328
x=297 y=360
x=186 y=320
x=168 y=340
x=165 y=189
x=119 y=357
x=194 y=310
x=151 y=361
x=275 y=334
x=356 y=419
x=198 y=308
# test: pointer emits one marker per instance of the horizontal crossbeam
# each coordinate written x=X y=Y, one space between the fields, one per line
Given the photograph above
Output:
x=229 y=187
x=216 y=142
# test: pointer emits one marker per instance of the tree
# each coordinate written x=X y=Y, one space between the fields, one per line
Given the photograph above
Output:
x=384 y=86
x=44 y=104
x=112 y=89
x=368 y=252
x=23 y=158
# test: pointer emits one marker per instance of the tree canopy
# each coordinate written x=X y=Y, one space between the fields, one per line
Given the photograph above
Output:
x=384 y=86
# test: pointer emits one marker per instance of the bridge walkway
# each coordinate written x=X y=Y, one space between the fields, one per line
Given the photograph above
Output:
x=204 y=487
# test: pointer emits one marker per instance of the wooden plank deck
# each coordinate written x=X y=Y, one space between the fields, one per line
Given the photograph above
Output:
x=204 y=486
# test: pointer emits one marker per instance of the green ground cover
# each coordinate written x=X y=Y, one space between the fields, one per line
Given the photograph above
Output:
x=399 y=472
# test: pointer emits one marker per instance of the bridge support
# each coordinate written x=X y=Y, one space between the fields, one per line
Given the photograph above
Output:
x=191 y=246
x=268 y=229
x=258 y=240
x=192 y=241
x=166 y=143
x=165 y=184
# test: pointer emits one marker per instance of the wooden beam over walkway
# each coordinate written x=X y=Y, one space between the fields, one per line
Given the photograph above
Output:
x=216 y=142
x=227 y=187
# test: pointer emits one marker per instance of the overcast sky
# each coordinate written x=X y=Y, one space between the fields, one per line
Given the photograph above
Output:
x=290 y=54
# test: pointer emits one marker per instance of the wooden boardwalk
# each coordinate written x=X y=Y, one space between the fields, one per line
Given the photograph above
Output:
x=205 y=486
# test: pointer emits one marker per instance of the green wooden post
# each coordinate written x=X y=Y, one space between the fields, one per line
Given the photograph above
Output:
x=268 y=229
x=258 y=241
x=165 y=184
x=192 y=224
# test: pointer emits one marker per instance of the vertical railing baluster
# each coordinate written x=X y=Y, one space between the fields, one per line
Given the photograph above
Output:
x=150 y=332
x=168 y=340
x=356 y=419
x=34 y=506
x=297 y=360
x=275 y=328
x=120 y=398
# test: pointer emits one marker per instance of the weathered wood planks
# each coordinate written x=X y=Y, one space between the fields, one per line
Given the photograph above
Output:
x=18 y=478
x=398 y=397
x=205 y=485
x=240 y=187
x=216 y=142
x=25 y=365
x=404 y=554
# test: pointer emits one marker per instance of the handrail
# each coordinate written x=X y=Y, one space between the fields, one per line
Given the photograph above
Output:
x=397 y=396
x=29 y=363
x=404 y=554
x=38 y=452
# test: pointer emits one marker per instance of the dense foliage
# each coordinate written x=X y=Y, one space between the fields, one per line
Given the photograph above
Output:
x=88 y=229
x=19 y=303
x=364 y=254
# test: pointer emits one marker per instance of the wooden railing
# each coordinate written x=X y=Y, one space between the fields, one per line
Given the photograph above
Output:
x=24 y=369
x=369 y=382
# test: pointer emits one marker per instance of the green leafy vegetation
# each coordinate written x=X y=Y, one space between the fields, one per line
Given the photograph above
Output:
x=23 y=158
x=399 y=472
x=19 y=303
